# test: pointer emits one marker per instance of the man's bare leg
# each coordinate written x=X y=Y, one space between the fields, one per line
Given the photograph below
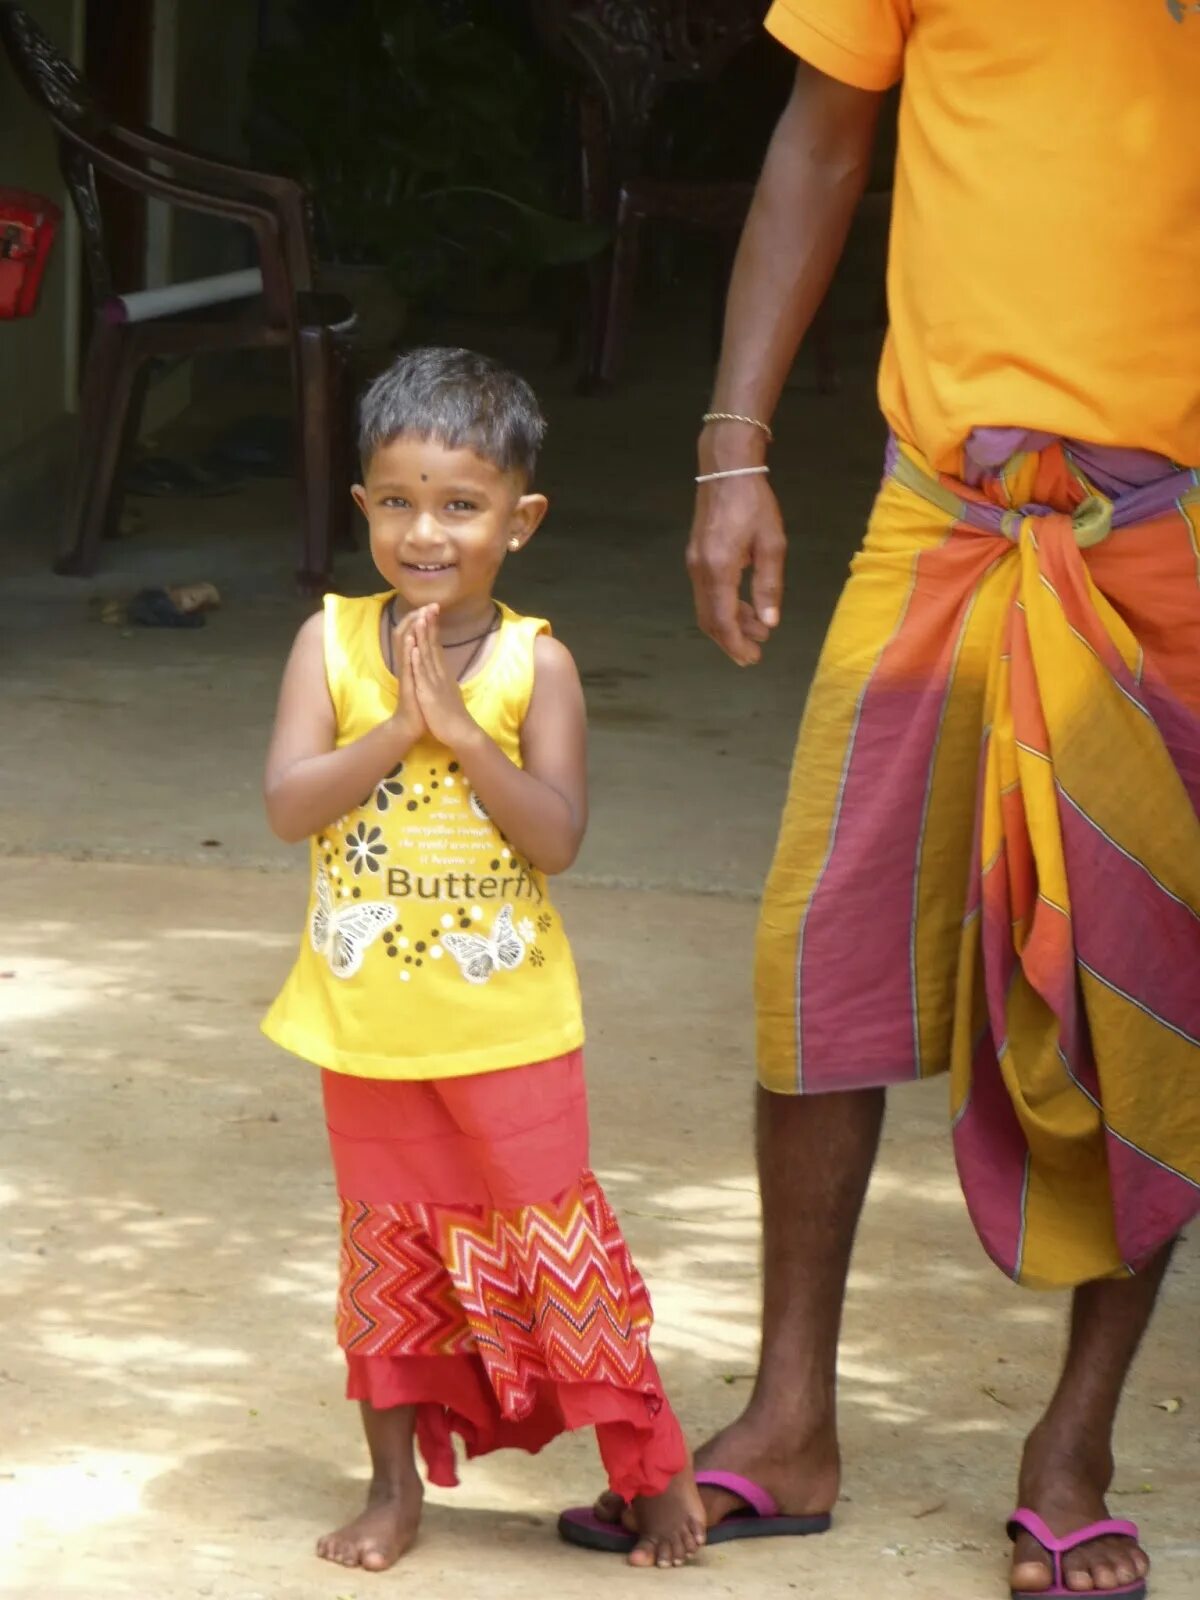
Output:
x=1068 y=1463
x=815 y=1154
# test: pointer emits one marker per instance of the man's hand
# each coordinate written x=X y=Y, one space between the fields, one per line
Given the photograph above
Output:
x=737 y=524
x=816 y=167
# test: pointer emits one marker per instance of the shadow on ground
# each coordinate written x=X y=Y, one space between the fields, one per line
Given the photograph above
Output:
x=174 y=1421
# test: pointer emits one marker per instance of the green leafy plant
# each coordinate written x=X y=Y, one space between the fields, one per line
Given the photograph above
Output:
x=419 y=129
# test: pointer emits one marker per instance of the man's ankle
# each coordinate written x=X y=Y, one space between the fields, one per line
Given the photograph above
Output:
x=1066 y=1445
x=791 y=1427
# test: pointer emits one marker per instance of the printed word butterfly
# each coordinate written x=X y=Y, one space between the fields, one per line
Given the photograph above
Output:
x=343 y=934
x=479 y=955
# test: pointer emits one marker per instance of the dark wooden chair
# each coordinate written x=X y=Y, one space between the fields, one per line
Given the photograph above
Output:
x=278 y=309
x=624 y=56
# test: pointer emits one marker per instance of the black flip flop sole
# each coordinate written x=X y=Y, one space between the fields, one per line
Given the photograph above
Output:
x=768 y=1528
x=592 y=1534
x=595 y=1535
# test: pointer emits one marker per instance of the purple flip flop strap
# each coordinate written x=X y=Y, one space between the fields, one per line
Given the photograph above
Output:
x=1057 y=1548
x=757 y=1498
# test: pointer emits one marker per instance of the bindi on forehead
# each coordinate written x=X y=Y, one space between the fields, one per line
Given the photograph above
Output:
x=424 y=477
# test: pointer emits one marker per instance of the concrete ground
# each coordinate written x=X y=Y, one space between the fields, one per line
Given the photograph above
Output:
x=171 y=1399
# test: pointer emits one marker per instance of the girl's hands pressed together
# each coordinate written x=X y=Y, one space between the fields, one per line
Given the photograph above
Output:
x=310 y=780
x=438 y=695
x=407 y=717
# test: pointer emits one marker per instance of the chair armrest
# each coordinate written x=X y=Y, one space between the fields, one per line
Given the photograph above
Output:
x=230 y=177
x=279 y=288
x=161 y=147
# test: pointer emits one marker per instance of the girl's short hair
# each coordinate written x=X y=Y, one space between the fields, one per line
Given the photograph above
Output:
x=461 y=399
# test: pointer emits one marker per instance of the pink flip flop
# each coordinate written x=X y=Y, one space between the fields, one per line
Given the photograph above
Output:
x=761 y=1519
x=1057 y=1548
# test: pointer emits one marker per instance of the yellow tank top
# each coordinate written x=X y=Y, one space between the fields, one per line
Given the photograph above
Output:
x=431 y=949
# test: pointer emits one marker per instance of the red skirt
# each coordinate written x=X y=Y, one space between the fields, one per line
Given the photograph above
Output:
x=484 y=1278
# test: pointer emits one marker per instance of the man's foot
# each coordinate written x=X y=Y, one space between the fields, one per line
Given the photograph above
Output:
x=377 y=1538
x=800 y=1471
x=1067 y=1491
x=669 y=1526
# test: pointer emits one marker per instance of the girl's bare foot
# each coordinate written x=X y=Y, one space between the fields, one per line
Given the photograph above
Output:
x=377 y=1538
x=670 y=1526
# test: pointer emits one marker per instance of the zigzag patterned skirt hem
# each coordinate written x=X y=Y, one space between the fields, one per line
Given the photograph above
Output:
x=484 y=1277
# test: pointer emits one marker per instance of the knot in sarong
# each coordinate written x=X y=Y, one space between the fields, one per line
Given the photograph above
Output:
x=1089 y=524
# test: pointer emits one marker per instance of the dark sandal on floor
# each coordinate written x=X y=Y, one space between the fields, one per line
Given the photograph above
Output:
x=760 y=1519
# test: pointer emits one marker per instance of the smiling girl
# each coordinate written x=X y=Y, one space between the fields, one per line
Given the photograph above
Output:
x=431 y=744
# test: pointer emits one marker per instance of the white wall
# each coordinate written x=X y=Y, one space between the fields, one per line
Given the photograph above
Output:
x=198 y=44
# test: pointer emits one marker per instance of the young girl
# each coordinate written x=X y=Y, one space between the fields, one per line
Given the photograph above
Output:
x=431 y=745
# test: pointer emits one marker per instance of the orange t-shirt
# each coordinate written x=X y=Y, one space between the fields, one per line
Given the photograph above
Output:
x=1044 y=268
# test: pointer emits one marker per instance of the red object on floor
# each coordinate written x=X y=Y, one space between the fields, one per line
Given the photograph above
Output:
x=28 y=224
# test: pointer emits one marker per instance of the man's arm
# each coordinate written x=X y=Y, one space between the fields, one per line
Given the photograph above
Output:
x=814 y=174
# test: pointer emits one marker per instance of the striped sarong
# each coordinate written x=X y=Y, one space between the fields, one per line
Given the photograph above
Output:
x=989 y=860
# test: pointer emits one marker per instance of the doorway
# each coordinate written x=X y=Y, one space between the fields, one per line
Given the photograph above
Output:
x=117 y=64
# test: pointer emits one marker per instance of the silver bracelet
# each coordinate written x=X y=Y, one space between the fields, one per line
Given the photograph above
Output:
x=730 y=472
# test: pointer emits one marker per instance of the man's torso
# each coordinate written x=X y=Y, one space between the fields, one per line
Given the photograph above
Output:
x=1045 y=256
